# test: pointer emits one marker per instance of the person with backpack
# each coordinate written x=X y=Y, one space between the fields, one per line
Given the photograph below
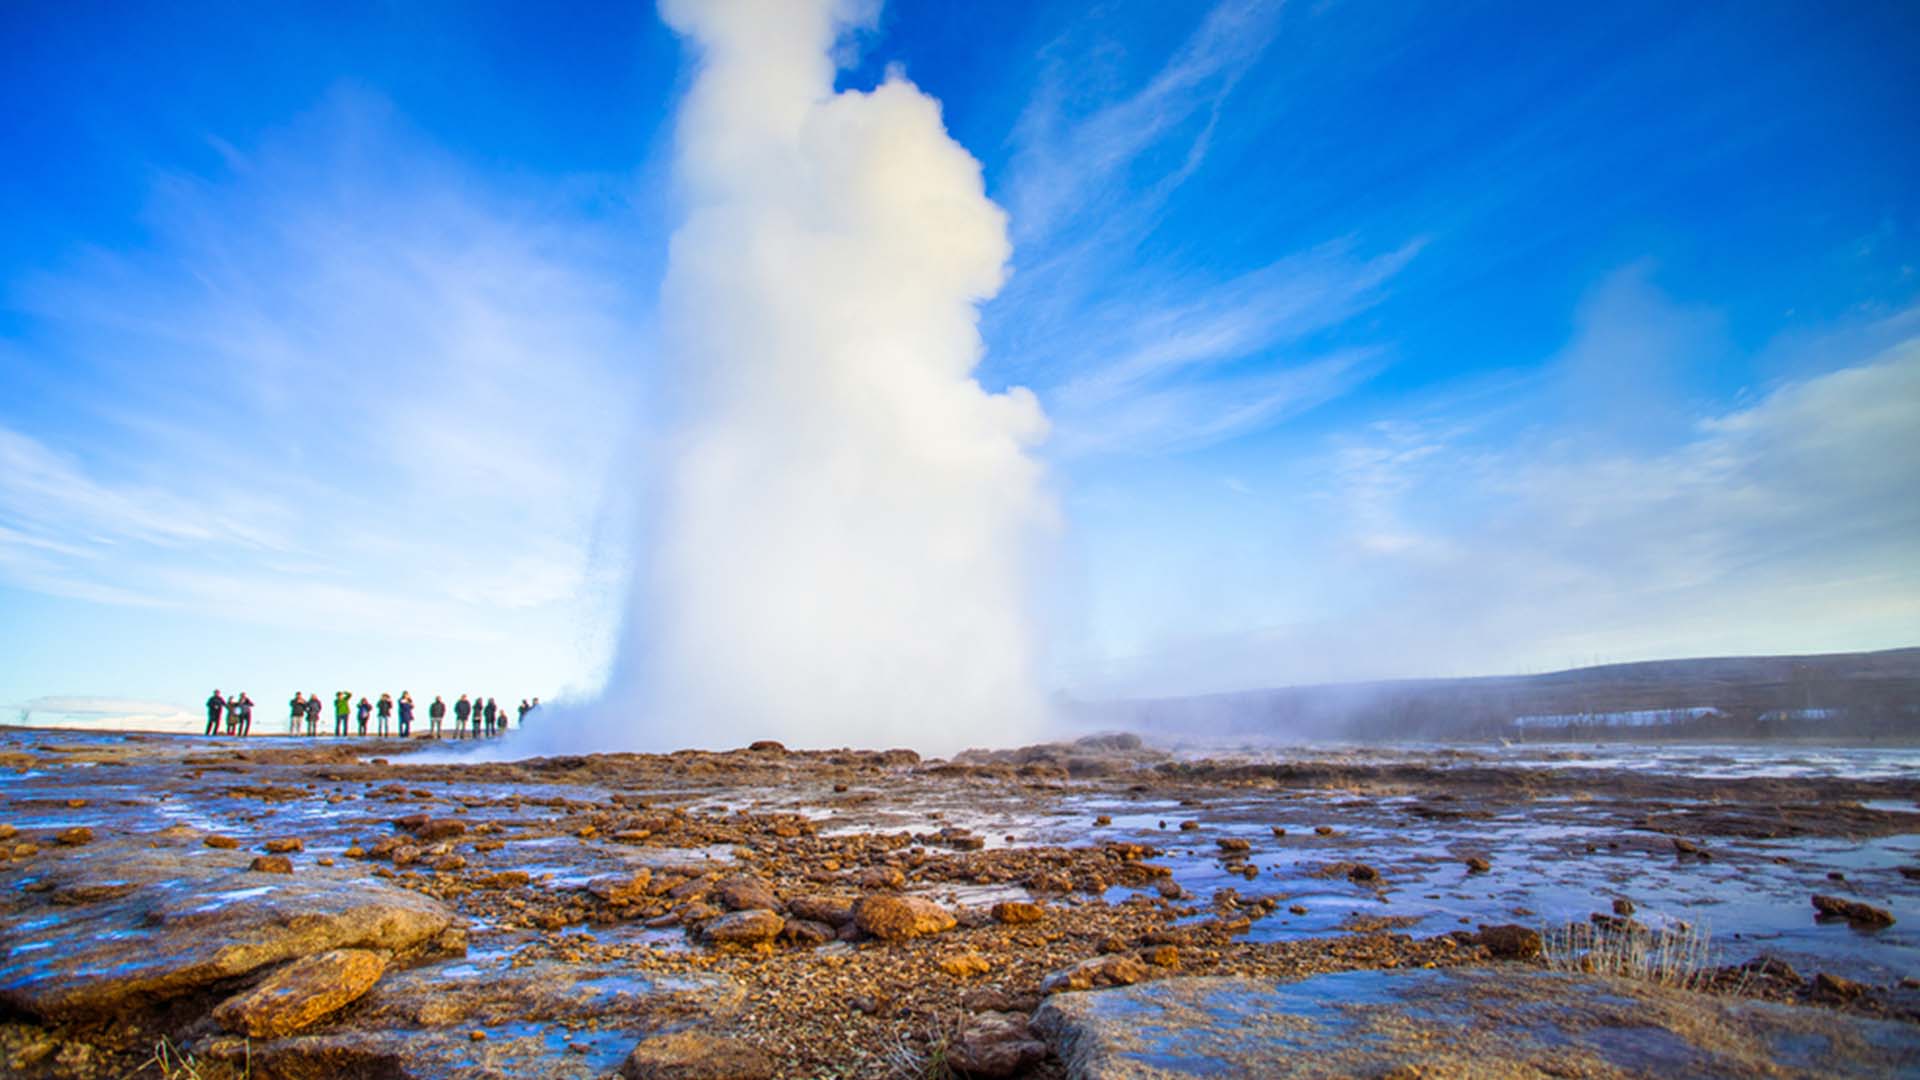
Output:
x=436 y=712
x=461 y=711
x=363 y=713
x=216 y=707
x=313 y=714
x=406 y=715
x=386 y=712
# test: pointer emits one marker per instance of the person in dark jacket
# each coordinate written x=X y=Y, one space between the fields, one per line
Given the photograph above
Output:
x=524 y=710
x=313 y=714
x=386 y=712
x=462 y=709
x=363 y=713
x=246 y=714
x=406 y=715
x=216 y=706
x=436 y=713
x=296 y=712
x=493 y=718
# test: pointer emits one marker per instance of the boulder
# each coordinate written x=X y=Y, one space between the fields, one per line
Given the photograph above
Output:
x=271 y=864
x=832 y=910
x=746 y=894
x=744 y=928
x=302 y=993
x=898 y=918
x=690 y=1055
x=1492 y=1022
x=194 y=920
x=622 y=889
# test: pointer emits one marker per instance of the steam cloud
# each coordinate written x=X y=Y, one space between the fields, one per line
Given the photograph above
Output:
x=842 y=542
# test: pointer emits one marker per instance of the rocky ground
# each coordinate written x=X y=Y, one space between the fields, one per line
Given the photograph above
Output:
x=301 y=909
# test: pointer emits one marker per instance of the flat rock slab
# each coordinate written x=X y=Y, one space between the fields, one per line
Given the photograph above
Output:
x=180 y=920
x=1505 y=1021
x=543 y=1021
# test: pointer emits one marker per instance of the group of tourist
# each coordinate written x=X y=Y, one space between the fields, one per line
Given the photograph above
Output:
x=473 y=717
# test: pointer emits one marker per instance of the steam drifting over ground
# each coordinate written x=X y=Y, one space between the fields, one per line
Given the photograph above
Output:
x=841 y=547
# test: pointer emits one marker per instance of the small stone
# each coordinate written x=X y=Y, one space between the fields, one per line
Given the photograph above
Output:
x=476 y=1035
x=225 y=843
x=996 y=1045
x=883 y=877
x=1362 y=873
x=1478 y=865
x=1511 y=942
x=1279 y=830
x=898 y=918
x=1119 y=969
x=832 y=910
x=1102 y=821
x=1297 y=909
x=1166 y=956
x=1233 y=844
x=75 y=836
x=691 y=1055
x=1622 y=906
x=1323 y=830
x=1837 y=988
x=1189 y=826
x=1856 y=913
x=284 y=845
x=1018 y=912
x=965 y=965
x=627 y=889
x=271 y=864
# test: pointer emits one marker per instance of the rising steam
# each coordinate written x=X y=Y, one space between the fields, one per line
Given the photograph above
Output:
x=840 y=550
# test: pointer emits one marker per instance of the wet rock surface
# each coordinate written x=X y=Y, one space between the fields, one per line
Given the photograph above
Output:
x=608 y=901
x=1457 y=1022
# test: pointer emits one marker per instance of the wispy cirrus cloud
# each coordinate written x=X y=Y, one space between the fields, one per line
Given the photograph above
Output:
x=1135 y=354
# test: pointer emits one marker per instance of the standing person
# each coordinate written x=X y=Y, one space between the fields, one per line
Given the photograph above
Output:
x=233 y=714
x=363 y=713
x=246 y=714
x=296 y=712
x=436 y=712
x=461 y=710
x=524 y=710
x=386 y=712
x=406 y=714
x=342 y=701
x=313 y=714
x=216 y=705
x=493 y=718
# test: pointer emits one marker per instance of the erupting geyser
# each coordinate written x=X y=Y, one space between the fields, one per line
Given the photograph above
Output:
x=840 y=551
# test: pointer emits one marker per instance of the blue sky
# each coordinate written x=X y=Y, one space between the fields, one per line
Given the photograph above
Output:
x=1377 y=339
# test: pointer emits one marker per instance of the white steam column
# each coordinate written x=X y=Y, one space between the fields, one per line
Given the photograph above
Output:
x=842 y=552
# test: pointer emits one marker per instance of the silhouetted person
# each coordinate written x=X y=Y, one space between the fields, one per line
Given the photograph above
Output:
x=313 y=714
x=524 y=710
x=386 y=712
x=462 y=709
x=342 y=704
x=406 y=715
x=246 y=714
x=436 y=712
x=493 y=718
x=216 y=707
x=363 y=713
x=296 y=712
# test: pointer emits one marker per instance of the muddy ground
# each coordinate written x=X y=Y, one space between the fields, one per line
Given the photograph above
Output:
x=857 y=913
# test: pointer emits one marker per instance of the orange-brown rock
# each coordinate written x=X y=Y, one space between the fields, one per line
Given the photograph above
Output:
x=302 y=993
x=898 y=918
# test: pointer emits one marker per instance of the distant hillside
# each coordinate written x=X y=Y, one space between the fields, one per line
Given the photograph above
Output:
x=1872 y=695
